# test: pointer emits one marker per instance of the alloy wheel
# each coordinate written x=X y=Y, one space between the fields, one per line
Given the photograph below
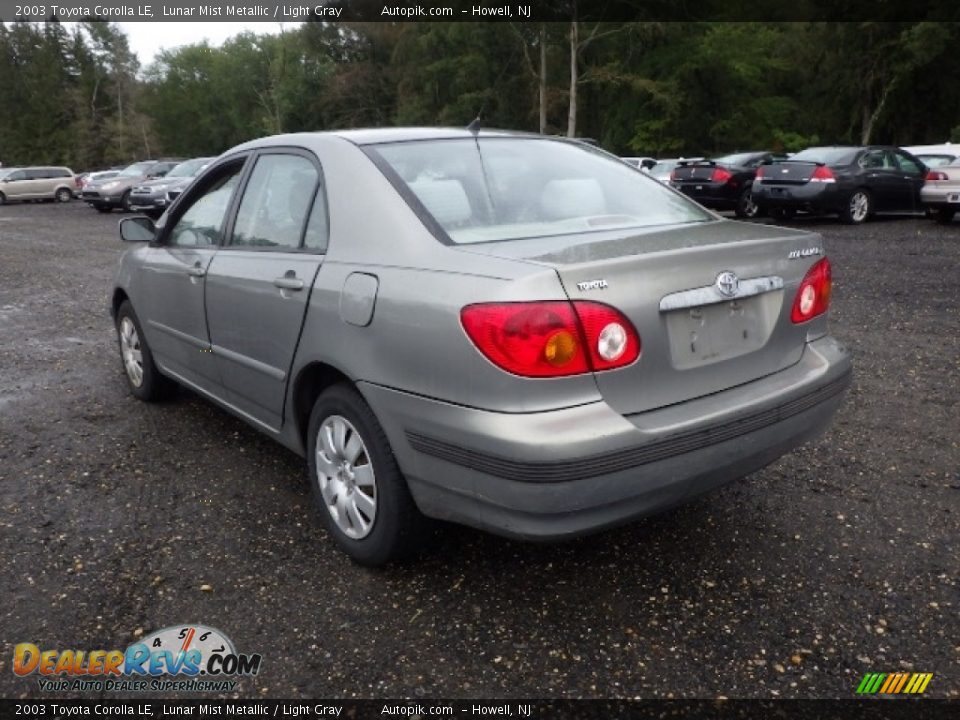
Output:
x=132 y=353
x=859 y=206
x=345 y=477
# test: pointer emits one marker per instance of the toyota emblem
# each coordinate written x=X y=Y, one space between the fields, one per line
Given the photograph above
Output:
x=728 y=283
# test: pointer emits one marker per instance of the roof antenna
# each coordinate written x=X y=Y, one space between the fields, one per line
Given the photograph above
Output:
x=474 y=125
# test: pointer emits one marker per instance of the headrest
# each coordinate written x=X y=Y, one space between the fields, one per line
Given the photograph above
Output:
x=574 y=197
x=446 y=200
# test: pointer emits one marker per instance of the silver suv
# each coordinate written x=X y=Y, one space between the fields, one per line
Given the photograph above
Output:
x=37 y=183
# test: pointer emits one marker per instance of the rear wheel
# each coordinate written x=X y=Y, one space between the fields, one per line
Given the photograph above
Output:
x=125 y=201
x=858 y=208
x=746 y=207
x=143 y=378
x=3 y=198
x=63 y=195
x=945 y=216
x=356 y=484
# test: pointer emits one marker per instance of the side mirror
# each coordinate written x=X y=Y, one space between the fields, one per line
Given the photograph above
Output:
x=137 y=229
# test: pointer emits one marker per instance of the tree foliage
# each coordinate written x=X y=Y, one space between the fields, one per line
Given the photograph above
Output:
x=80 y=97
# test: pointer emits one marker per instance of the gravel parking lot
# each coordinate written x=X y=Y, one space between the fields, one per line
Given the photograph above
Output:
x=119 y=518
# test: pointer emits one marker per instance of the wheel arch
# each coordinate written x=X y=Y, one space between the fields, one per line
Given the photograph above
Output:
x=311 y=380
x=119 y=295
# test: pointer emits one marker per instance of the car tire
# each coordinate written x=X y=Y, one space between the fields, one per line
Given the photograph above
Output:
x=103 y=208
x=144 y=379
x=782 y=214
x=746 y=207
x=945 y=216
x=359 y=492
x=63 y=195
x=858 y=208
x=125 y=202
x=3 y=198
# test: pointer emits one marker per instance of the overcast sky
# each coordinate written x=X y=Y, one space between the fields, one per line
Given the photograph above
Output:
x=148 y=38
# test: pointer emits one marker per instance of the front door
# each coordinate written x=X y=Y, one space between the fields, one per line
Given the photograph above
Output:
x=173 y=278
x=258 y=285
x=913 y=173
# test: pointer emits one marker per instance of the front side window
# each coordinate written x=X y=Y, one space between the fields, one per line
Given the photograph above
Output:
x=877 y=160
x=275 y=203
x=201 y=225
x=17 y=175
x=493 y=189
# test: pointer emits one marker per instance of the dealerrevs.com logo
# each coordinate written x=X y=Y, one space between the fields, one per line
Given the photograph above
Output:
x=186 y=658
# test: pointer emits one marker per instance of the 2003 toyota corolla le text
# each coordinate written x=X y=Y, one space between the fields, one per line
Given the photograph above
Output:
x=515 y=332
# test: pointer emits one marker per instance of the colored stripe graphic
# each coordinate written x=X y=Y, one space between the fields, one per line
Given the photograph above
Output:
x=894 y=683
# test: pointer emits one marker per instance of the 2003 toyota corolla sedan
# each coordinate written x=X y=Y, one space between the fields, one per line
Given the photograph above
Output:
x=514 y=332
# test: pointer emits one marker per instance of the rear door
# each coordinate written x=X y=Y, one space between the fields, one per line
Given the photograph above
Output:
x=882 y=176
x=258 y=285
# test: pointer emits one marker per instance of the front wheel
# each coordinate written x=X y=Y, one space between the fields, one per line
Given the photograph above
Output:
x=356 y=484
x=143 y=378
x=103 y=208
x=125 y=202
x=858 y=208
x=944 y=216
x=746 y=207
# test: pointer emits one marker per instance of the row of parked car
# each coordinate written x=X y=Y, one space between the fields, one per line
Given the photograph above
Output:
x=853 y=182
x=147 y=186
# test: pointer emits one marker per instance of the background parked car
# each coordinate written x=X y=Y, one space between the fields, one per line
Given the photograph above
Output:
x=723 y=183
x=661 y=171
x=852 y=182
x=115 y=192
x=89 y=178
x=37 y=183
x=643 y=163
x=941 y=192
x=932 y=160
x=150 y=197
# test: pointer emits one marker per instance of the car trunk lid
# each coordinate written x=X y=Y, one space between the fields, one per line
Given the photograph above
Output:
x=695 y=341
x=788 y=172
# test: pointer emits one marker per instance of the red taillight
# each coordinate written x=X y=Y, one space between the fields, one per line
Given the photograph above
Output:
x=813 y=295
x=823 y=174
x=760 y=172
x=721 y=175
x=551 y=338
x=935 y=175
x=673 y=175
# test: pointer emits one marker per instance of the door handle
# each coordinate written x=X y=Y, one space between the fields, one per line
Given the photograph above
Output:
x=196 y=270
x=288 y=283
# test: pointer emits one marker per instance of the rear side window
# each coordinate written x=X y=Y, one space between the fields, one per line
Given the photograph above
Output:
x=907 y=164
x=275 y=203
x=877 y=160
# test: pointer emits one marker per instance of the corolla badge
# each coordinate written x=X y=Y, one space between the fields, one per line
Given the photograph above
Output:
x=728 y=283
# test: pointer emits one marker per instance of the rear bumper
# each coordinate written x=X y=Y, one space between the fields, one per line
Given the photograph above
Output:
x=940 y=197
x=812 y=197
x=558 y=474
x=711 y=195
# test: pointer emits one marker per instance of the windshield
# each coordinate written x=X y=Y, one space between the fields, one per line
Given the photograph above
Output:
x=827 y=155
x=136 y=170
x=509 y=188
x=932 y=161
x=189 y=168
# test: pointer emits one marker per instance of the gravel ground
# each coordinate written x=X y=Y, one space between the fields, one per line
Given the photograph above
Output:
x=119 y=518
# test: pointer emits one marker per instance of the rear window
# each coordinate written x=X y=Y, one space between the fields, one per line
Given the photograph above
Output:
x=737 y=160
x=827 y=155
x=494 y=189
x=932 y=161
